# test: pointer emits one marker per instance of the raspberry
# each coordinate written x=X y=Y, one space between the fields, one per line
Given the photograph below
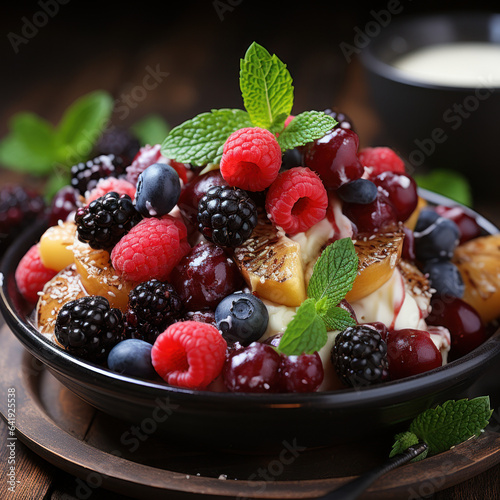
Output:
x=189 y=354
x=381 y=159
x=296 y=200
x=105 y=186
x=226 y=216
x=31 y=275
x=84 y=176
x=151 y=249
x=251 y=159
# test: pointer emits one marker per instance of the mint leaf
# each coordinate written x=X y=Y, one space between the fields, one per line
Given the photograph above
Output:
x=200 y=140
x=81 y=125
x=452 y=423
x=336 y=318
x=306 y=333
x=403 y=442
x=266 y=87
x=334 y=272
x=30 y=146
x=305 y=128
x=448 y=183
x=151 y=130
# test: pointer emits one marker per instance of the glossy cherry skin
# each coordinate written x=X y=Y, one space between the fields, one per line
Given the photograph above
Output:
x=334 y=157
x=401 y=190
x=411 y=352
x=302 y=373
x=463 y=322
x=205 y=276
x=467 y=225
x=256 y=368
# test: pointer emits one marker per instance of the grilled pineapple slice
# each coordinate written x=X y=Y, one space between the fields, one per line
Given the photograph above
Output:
x=271 y=265
x=478 y=261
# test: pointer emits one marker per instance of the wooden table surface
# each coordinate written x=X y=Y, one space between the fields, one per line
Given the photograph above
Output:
x=197 y=45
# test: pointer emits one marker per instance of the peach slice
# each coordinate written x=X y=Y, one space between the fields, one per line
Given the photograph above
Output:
x=55 y=246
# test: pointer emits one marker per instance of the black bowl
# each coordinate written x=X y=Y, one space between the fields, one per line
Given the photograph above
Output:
x=422 y=120
x=244 y=421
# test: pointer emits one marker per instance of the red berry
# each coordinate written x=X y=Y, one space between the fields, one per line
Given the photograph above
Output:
x=147 y=156
x=381 y=159
x=467 y=224
x=401 y=190
x=31 y=275
x=296 y=200
x=255 y=368
x=251 y=159
x=302 y=373
x=189 y=354
x=205 y=276
x=181 y=170
x=334 y=157
x=104 y=186
x=462 y=320
x=151 y=249
x=411 y=352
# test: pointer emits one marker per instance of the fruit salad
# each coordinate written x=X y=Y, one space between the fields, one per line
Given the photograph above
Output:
x=260 y=251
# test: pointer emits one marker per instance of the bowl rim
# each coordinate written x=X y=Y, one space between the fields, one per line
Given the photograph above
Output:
x=374 y=63
x=104 y=380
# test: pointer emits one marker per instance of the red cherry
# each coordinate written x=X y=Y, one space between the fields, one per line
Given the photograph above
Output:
x=401 y=190
x=411 y=352
x=334 y=157
x=302 y=373
x=467 y=225
x=380 y=328
x=462 y=320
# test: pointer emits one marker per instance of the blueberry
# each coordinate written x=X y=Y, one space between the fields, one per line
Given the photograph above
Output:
x=132 y=357
x=445 y=278
x=360 y=191
x=291 y=158
x=437 y=241
x=242 y=317
x=158 y=190
x=425 y=219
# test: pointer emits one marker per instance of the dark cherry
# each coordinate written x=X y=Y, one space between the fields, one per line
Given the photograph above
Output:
x=401 y=190
x=334 y=157
x=205 y=276
x=411 y=352
x=462 y=320
x=274 y=340
x=467 y=224
x=302 y=373
x=194 y=191
x=65 y=201
x=380 y=328
x=373 y=217
x=256 y=368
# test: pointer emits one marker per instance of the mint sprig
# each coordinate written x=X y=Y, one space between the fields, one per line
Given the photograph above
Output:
x=446 y=426
x=307 y=332
x=267 y=92
x=151 y=129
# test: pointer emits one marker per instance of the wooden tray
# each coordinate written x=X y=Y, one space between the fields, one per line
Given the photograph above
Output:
x=130 y=459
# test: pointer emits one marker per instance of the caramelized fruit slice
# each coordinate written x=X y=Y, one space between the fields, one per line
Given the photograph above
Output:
x=478 y=261
x=62 y=288
x=271 y=265
x=378 y=256
x=411 y=222
x=98 y=276
x=55 y=246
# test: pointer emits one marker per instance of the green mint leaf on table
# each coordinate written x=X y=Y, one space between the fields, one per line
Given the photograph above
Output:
x=306 y=333
x=151 y=130
x=266 y=87
x=200 y=140
x=30 y=146
x=448 y=183
x=304 y=128
x=447 y=425
x=81 y=125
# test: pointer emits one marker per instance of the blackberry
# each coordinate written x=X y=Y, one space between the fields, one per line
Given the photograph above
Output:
x=18 y=208
x=153 y=305
x=89 y=328
x=359 y=356
x=106 y=220
x=226 y=216
x=342 y=118
x=119 y=142
x=86 y=175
